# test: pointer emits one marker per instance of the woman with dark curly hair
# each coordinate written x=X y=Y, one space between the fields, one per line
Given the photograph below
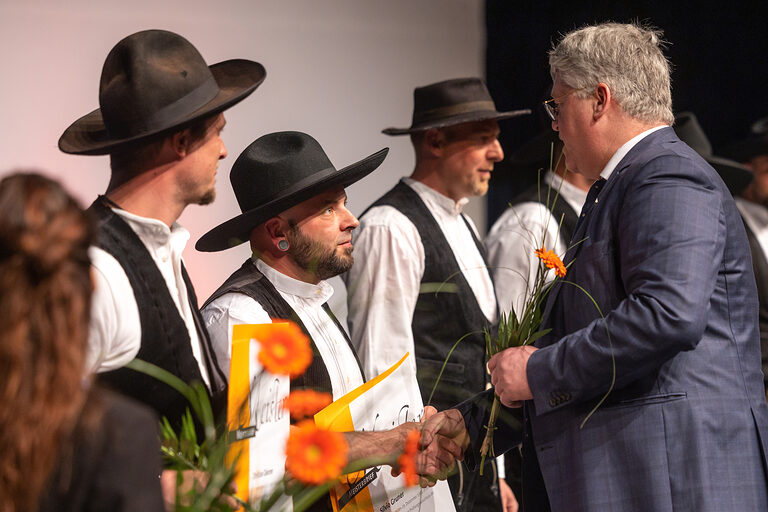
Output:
x=64 y=444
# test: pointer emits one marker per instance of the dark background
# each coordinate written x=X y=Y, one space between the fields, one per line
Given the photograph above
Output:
x=717 y=50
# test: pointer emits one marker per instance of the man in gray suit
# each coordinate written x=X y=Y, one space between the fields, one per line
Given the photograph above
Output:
x=684 y=423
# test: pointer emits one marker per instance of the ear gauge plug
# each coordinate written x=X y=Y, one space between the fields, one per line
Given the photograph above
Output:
x=283 y=245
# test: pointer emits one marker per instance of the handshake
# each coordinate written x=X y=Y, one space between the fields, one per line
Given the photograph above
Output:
x=443 y=441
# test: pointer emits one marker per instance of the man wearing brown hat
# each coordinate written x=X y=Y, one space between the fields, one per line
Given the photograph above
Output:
x=420 y=282
x=295 y=217
x=160 y=120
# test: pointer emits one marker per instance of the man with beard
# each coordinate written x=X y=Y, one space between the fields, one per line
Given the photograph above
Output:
x=160 y=120
x=300 y=231
x=294 y=214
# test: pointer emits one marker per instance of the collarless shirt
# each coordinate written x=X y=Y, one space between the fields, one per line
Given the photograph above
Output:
x=307 y=300
x=115 y=327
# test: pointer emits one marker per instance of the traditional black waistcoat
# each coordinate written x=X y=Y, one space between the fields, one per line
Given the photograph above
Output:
x=445 y=311
x=249 y=281
x=164 y=337
x=560 y=209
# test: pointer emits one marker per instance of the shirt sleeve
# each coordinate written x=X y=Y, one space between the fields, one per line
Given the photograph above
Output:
x=383 y=287
x=511 y=244
x=223 y=314
x=114 y=334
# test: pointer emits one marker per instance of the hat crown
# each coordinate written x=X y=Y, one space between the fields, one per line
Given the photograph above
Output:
x=689 y=130
x=150 y=80
x=450 y=92
x=274 y=163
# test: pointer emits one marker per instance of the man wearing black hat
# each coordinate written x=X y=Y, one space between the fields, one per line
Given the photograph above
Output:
x=160 y=120
x=300 y=230
x=414 y=242
x=752 y=202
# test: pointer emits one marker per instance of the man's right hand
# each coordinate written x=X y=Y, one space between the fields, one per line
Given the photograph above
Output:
x=443 y=440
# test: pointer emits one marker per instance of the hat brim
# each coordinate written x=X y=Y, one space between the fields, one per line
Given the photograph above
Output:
x=458 y=119
x=237 y=78
x=238 y=229
x=735 y=176
x=746 y=150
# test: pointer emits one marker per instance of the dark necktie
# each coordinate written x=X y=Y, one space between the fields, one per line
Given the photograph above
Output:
x=592 y=199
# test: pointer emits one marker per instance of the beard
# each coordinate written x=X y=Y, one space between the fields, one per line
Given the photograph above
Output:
x=314 y=257
x=207 y=197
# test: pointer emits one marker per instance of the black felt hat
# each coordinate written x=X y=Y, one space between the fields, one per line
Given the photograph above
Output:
x=754 y=145
x=278 y=171
x=152 y=82
x=451 y=102
x=735 y=175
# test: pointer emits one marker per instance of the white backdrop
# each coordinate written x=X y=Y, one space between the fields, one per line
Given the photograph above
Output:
x=340 y=70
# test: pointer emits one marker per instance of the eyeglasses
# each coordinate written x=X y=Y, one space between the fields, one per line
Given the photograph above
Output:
x=551 y=106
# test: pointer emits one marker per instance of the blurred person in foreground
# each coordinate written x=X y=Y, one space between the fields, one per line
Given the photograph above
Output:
x=66 y=444
x=684 y=423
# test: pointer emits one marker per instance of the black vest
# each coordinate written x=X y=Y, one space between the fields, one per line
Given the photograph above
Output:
x=249 y=281
x=560 y=210
x=445 y=311
x=164 y=337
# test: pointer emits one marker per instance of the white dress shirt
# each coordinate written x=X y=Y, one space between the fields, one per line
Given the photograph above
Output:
x=383 y=284
x=518 y=232
x=114 y=335
x=307 y=300
x=624 y=149
x=756 y=217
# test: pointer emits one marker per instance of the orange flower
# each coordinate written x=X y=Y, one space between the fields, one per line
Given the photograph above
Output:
x=286 y=351
x=551 y=260
x=304 y=403
x=315 y=456
x=407 y=461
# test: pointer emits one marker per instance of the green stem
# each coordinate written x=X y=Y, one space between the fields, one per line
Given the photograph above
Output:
x=487 y=446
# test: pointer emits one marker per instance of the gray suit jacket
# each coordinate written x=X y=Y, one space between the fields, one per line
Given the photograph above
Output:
x=666 y=258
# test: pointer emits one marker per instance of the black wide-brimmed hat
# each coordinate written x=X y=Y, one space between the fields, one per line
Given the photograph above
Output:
x=152 y=82
x=278 y=171
x=451 y=102
x=735 y=175
x=754 y=145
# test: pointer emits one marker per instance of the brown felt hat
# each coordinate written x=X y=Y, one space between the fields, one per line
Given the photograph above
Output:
x=452 y=102
x=152 y=82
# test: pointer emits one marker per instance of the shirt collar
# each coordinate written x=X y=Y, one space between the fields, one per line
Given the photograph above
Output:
x=154 y=231
x=436 y=199
x=624 y=149
x=315 y=293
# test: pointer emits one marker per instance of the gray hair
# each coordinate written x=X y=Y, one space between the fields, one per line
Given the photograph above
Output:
x=627 y=58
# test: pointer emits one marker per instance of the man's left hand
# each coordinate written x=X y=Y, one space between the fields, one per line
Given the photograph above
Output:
x=508 y=375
